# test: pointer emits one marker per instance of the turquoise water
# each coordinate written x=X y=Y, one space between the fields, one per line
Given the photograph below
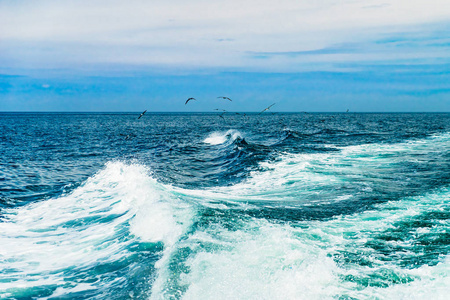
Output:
x=193 y=206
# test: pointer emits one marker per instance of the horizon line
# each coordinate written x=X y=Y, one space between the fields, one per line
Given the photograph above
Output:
x=215 y=112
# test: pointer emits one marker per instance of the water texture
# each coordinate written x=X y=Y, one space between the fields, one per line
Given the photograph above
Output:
x=196 y=206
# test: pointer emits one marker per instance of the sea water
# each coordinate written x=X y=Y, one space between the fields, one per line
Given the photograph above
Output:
x=196 y=206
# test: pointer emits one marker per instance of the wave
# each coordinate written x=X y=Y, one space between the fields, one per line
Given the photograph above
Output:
x=322 y=225
x=351 y=172
x=296 y=142
x=343 y=257
x=90 y=233
x=223 y=158
x=217 y=138
x=384 y=248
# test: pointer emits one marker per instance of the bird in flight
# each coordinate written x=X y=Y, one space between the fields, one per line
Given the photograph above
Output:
x=189 y=100
x=219 y=109
x=221 y=115
x=140 y=116
x=267 y=108
x=226 y=98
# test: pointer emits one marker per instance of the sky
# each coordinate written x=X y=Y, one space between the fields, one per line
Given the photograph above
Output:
x=322 y=55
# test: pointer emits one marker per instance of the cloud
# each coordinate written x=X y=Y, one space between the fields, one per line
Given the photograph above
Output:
x=342 y=49
x=377 y=6
x=199 y=34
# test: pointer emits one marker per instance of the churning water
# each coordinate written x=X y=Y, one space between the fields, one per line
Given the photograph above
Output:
x=193 y=206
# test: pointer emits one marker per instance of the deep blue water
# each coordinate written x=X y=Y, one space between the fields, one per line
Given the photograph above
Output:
x=195 y=206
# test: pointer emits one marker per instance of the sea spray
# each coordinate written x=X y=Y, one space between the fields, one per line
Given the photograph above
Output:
x=217 y=138
x=99 y=206
x=96 y=224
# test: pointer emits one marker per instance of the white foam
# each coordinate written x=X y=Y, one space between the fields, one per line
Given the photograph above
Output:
x=217 y=138
x=255 y=260
x=88 y=226
x=263 y=260
x=432 y=283
x=325 y=176
x=81 y=287
x=351 y=233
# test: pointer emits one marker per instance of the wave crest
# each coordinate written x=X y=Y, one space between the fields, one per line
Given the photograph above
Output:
x=217 y=138
x=97 y=224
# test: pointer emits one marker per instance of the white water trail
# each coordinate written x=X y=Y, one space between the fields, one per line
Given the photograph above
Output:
x=241 y=257
x=92 y=225
x=260 y=259
x=332 y=176
x=231 y=256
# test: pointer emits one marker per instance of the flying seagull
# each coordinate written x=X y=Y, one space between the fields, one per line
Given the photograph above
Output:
x=226 y=98
x=267 y=108
x=219 y=109
x=140 y=116
x=189 y=100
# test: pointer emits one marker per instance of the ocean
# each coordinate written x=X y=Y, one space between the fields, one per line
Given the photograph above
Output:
x=248 y=206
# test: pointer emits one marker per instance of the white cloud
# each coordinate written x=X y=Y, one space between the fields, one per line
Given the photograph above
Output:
x=181 y=33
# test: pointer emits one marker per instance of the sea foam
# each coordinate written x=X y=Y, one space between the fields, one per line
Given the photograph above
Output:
x=217 y=138
x=94 y=224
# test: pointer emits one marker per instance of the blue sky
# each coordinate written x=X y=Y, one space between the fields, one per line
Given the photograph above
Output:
x=304 y=55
